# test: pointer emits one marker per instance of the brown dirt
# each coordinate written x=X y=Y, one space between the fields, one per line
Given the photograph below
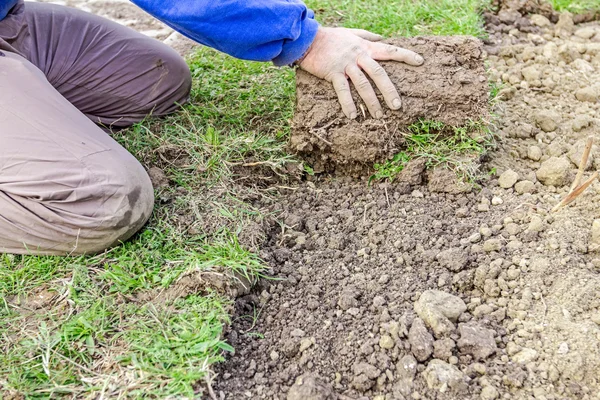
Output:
x=354 y=260
x=451 y=87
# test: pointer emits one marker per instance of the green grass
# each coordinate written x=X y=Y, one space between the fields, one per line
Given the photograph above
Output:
x=404 y=17
x=436 y=143
x=97 y=326
x=576 y=6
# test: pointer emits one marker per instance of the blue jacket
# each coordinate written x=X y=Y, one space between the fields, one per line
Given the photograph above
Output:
x=262 y=30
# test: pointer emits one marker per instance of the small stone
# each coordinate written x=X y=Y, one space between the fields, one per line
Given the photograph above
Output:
x=580 y=122
x=534 y=153
x=310 y=387
x=297 y=333
x=489 y=393
x=479 y=368
x=554 y=171
x=545 y=120
x=455 y=259
x=539 y=20
x=492 y=245
x=386 y=342
x=485 y=231
x=482 y=310
x=439 y=373
x=524 y=187
x=274 y=355
x=442 y=349
x=417 y=193
x=576 y=154
x=421 y=341
x=536 y=224
x=531 y=74
x=475 y=238
x=363 y=368
x=439 y=310
x=565 y=25
x=589 y=94
x=563 y=348
x=508 y=178
x=586 y=32
x=306 y=343
x=406 y=368
x=525 y=356
x=476 y=341
x=496 y=201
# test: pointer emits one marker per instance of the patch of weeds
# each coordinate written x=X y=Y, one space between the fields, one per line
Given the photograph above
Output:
x=576 y=6
x=437 y=144
x=404 y=17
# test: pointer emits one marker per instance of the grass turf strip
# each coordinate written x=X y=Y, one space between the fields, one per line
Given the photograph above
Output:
x=88 y=326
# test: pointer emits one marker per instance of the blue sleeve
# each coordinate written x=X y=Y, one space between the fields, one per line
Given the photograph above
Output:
x=262 y=30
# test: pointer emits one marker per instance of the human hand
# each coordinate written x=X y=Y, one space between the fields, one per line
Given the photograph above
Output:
x=340 y=53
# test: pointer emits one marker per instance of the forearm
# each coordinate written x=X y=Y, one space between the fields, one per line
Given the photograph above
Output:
x=262 y=30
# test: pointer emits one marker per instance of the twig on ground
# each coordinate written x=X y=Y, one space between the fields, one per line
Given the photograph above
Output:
x=582 y=163
x=577 y=189
x=211 y=392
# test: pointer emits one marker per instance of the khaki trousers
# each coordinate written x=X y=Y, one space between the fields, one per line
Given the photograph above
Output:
x=66 y=187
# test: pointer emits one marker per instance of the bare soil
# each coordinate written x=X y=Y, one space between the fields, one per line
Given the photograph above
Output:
x=450 y=87
x=363 y=273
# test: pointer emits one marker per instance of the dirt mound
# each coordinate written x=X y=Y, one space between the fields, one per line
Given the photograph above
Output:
x=450 y=87
x=395 y=292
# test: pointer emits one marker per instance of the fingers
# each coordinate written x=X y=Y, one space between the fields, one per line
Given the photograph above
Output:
x=370 y=36
x=365 y=90
x=342 y=88
x=382 y=80
x=385 y=52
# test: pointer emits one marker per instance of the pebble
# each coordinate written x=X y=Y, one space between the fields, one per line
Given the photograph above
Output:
x=563 y=348
x=489 y=393
x=497 y=200
x=386 y=342
x=274 y=355
x=310 y=387
x=545 y=121
x=536 y=224
x=439 y=373
x=508 y=178
x=534 y=153
x=554 y=171
x=476 y=340
x=539 y=20
x=492 y=245
x=439 y=310
x=442 y=349
x=524 y=187
x=454 y=259
x=589 y=94
x=585 y=32
x=475 y=238
x=595 y=231
x=421 y=341
x=525 y=356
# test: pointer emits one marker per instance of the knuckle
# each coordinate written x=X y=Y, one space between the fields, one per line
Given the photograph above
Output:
x=363 y=84
x=379 y=71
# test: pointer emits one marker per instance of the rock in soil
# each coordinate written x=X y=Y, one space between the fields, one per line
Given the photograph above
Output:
x=476 y=341
x=450 y=87
x=310 y=387
x=439 y=310
x=421 y=341
x=440 y=374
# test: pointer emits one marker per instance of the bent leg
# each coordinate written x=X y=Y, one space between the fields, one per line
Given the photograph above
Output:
x=65 y=185
x=113 y=74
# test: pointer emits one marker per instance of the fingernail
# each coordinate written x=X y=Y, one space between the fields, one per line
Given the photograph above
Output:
x=379 y=114
x=396 y=103
x=352 y=115
x=419 y=59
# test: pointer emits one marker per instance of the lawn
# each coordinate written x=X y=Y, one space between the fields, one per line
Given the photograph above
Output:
x=122 y=323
